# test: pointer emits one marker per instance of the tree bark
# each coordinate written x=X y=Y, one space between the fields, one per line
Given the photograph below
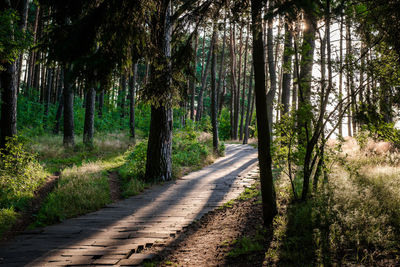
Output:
x=199 y=112
x=244 y=85
x=264 y=146
x=60 y=103
x=214 y=93
x=88 y=130
x=250 y=102
x=287 y=70
x=341 y=76
x=159 y=149
x=47 y=96
x=233 y=83
x=193 y=80
x=272 y=71
x=69 y=138
x=132 y=96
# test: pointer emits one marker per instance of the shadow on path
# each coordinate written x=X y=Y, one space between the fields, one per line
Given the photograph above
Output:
x=115 y=232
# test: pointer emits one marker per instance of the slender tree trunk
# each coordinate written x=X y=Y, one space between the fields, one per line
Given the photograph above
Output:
x=272 y=71
x=122 y=96
x=244 y=85
x=69 y=138
x=214 y=93
x=233 y=82
x=351 y=79
x=193 y=80
x=88 y=130
x=23 y=25
x=222 y=72
x=264 y=146
x=305 y=114
x=341 y=76
x=159 y=150
x=237 y=95
x=132 y=96
x=199 y=112
x=60 y=108
x=47 y=96
x=250 y=102
x=287 y=70
x=348 y=79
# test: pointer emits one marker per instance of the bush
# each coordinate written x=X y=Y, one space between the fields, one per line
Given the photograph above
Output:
x=20 y=174
x=7 y=218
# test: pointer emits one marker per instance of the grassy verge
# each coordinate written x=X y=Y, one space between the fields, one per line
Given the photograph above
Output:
x=83 y=185
x=353 y=218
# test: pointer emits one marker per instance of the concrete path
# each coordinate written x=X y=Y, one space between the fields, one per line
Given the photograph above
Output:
x=115 y=235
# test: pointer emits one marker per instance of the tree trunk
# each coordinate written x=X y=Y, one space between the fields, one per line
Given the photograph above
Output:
x=8 y=83
x=305 y=114
x=244 y=85
x=249 y=106
x=193 y=80
x=60 y=103
x=101 y=103
x=341 y=76
x=287 y=70
x=69 y=139
x=23 y=25
x=272 y=71
x=47 y=96
x=122 y=96
x=132 y=96
x=199 y=112
x=237 y=95
x=222 y=72
x=88 y=129
x=214 y=93
x=233 y=82
x=264 y=153
x=159 y=149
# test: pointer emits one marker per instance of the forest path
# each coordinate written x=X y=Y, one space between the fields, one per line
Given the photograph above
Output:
x=115 y=234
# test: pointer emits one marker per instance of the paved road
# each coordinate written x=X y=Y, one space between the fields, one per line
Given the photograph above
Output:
x=116 y=234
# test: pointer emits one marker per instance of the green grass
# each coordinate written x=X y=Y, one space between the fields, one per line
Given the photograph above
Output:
x=8 y=217
x=247 y=245
x=353 y=218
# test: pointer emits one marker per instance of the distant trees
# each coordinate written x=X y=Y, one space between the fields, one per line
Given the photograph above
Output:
x=212 y=62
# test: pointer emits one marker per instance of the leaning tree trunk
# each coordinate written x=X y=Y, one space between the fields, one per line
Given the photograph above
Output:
x=88 y=129
x=214 y=102
x=264 y=146
x=69 y=138
x=159 y=149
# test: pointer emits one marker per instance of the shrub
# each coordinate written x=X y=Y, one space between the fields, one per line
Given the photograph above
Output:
x=20 y=174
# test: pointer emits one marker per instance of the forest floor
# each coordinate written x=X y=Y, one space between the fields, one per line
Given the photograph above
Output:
x=353 y=219
x=118 y=232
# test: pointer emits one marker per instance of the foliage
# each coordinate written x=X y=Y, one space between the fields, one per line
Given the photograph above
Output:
x=20 y=174
x=7 y=218
x=12 y=40
x=224 y=129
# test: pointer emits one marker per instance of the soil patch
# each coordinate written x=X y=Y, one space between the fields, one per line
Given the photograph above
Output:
x=208 y=241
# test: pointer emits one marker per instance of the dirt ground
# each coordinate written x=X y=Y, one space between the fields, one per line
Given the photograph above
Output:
x=208 y=241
